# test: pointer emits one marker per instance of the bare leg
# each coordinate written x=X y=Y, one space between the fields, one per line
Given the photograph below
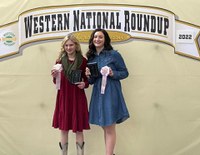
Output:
x=64 y=142
x=110 y=138
x=80 y=143
x=64 y=137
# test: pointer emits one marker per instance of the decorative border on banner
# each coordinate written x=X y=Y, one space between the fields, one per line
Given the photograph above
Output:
x=196 y=45
x=123 y=22
x=197 y=41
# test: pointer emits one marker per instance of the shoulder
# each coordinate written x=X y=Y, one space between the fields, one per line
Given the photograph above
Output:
x=115 y=53
x=58 y=61
x=84 y=59
x=117 y=57
x=109 y=52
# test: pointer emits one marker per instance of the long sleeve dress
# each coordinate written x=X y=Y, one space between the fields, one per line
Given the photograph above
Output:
x=71 y=109
x=110 y=107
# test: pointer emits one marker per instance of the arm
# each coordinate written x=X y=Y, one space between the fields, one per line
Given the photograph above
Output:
x=91 y=80
x=120 y=72
x=84 y=83
x=54 y=73
x=85 y=79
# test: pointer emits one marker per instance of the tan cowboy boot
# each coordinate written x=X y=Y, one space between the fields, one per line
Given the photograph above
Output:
x=80 y=148
x=64 y=148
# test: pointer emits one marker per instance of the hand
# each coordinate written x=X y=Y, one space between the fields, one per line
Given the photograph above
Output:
x=87 y=72
x=80 y=85
x=54 y=73
x=110 y=72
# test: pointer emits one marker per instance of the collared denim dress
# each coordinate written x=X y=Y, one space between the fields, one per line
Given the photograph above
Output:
x=108 y=108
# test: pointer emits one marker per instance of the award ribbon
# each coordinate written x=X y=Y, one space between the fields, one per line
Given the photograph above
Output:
x=58 y=67
x=104 y=71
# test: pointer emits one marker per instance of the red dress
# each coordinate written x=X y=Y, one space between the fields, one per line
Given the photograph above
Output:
x=71 y=109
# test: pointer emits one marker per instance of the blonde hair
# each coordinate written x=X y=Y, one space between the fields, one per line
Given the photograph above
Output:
x=74 y=40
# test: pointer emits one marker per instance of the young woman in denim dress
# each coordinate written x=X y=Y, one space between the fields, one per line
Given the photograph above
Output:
x=107 y=108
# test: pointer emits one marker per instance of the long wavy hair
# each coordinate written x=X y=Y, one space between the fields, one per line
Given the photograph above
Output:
x=74 y=40
x=92 y=49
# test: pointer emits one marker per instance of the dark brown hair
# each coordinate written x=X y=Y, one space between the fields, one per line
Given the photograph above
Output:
x=92 y=48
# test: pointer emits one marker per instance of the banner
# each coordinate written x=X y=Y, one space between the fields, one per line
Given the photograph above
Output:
x=123 y=22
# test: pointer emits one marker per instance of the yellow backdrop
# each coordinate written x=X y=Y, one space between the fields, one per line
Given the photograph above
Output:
x=162 y=93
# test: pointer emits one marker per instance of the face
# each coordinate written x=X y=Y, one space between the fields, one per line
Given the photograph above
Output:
x=99 y=39
x=70 y=47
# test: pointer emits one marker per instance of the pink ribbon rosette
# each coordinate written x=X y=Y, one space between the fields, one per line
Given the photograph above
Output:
x=58 y=67
x=105 y=72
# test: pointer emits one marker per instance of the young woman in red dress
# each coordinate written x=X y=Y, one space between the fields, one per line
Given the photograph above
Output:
x=71 y=108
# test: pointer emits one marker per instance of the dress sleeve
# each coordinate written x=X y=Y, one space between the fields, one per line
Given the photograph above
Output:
x=121 y=71
x=54 y=79
x=83 y=67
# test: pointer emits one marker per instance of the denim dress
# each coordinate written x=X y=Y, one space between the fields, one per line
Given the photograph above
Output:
x=108 y=108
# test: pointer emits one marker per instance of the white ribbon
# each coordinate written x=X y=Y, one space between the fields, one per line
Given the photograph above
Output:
x=104 y=71
x=58 y=67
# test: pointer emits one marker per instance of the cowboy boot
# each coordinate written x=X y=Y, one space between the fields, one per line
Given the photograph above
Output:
x=64 y=148
x=80 y=148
